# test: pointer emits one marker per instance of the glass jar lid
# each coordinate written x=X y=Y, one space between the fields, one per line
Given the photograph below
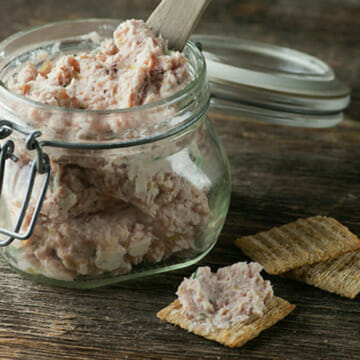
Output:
x=272 y=83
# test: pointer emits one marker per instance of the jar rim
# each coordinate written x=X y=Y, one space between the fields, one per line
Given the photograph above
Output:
x=167 y=100
x=189 y=104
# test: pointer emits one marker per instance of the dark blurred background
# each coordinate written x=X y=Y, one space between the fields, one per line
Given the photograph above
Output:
x=329 y=29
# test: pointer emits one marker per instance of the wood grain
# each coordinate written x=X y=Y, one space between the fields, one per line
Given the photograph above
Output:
x=278 y=173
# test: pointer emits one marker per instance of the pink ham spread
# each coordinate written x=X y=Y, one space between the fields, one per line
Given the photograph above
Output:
x=106 y=211
x=133 y=68
x=229 y=296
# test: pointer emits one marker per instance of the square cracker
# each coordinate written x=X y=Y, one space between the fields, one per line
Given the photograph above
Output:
x=303 y=242
x=238 y=334
x=340 y=275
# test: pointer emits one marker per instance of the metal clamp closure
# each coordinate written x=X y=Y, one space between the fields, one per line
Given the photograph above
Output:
x=41 y=165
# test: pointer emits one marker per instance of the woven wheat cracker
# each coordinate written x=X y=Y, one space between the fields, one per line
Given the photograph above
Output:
x=238 y=334
x=303 y=242
x=340 y=275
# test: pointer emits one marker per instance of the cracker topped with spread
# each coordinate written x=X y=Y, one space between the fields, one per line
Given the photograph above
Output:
x=231 y=306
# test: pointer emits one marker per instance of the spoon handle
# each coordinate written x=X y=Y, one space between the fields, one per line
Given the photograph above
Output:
x=175 y=20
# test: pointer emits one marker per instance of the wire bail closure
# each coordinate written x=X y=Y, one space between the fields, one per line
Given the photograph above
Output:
x=40 y=166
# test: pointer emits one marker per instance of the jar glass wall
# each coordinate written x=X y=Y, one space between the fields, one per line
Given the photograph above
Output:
x=133 y=192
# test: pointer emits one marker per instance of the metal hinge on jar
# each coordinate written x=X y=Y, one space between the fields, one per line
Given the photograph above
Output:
x=41 y=166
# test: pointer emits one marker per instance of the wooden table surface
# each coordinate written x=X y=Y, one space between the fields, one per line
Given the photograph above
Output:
x=278 y=173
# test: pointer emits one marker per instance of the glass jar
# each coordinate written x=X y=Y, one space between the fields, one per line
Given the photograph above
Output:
x=91 y=198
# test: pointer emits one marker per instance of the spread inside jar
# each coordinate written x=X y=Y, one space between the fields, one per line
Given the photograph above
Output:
x=133 y=68
x=106 y=211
